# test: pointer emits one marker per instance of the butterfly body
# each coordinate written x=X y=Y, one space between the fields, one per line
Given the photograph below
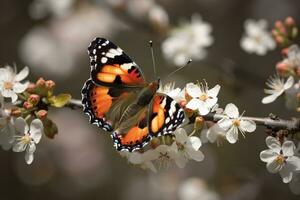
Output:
x=119 y=100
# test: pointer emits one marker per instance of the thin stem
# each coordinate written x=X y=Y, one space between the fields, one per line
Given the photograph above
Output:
x=269 y=122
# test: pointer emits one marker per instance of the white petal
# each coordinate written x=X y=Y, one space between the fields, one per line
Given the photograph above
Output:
x=273 y=144
x=180 y=160
x=289 y=83
x=214 y=91
x=22 y=74
x=29 y=158
x=203 y=109
x=268 y=155
x=181 y=136
x=36 y=130
x=21 y=126
x=210 y=102
x=294 y=163
x=195 y=142
x=288 y=148
x=193 y=90
x=195 y=155
x=231 y=111
x=31 y=148
x=194 y=104
x=286 y=174
x=19 y=146
x=225 y=124
x=20 y=87
x=270 y=98
x=273 y=167
x=247 y=125
x=232 y=135
x=135 y=158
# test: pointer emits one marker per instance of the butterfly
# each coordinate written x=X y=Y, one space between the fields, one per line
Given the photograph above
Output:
x=118 y=99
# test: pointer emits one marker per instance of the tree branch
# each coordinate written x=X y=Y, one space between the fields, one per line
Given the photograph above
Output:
x=273 y=123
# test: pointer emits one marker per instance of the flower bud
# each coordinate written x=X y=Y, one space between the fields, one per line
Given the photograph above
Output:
x=155 y=142
x=199 y=122
x=279 y=39
x=16 y=112
x=182 y=103
x=282 y=68
x=27 y=105
x=34 y=99
x=289 y=21
x=42 y=114
x=50 y=85
x=285 y=51
x=41 y=82
x=278 y=24
x=188 y=112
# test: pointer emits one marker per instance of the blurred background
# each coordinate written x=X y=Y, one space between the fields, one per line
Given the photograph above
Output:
x=52 y=36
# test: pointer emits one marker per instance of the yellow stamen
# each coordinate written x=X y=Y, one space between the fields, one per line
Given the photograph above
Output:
x=8 y=85
x=280 y=159
x=203 y=97
x=25 y=139
x=236 y=122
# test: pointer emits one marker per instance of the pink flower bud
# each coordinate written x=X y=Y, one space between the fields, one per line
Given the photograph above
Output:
x=279 y=39
x=285 y=51
x=40 y=82
x=289 y=21
x=50 y=84
x=27 y=105
x=278 y=24
x=282 y=68
x=34 y=99
x=16 y=112
x=42 y=114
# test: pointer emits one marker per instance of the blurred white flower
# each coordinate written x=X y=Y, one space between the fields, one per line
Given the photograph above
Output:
x=233 y=123
x=139 y=9
x=277 y=87
x=58 y=8
x=169 y=89
x=27 y=137
x=159 y=17
x=188 y=41
x=7 y=130
x=63 y=41
x=141 y=159
x=196 y=189
x=161 y=155
x=186 y=148
x=10 y=82
x=281 y=158
x=203 y=98
x=257 y=39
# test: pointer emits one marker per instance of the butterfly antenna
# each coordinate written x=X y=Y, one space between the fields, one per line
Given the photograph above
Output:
x=153 y=59
x=180 y=68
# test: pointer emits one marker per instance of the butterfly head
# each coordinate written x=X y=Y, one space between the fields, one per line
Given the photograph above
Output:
x=154 y=85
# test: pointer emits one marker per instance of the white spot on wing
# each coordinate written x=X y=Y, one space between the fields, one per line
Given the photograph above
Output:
x=103 y=60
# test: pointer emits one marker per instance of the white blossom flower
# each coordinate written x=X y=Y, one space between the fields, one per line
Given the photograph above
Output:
x=10 y=84
x=7 y=129
x=281 y=158
x=257 y=38
x=295 y=182
x=140 y=159
x=188 y=41
x=277 y=87
x=28 y=137
x=203 y=98
x=233 y=123
x=162 y=155
x=186 y=148
x=169 y=89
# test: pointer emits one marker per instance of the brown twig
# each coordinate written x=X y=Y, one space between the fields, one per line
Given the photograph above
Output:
x=269 y=122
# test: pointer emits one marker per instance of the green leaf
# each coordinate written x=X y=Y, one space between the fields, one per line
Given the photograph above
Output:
x=50 y=128
x=60 y=100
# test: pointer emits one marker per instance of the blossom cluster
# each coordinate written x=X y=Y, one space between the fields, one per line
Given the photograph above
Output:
x=198 y=101
x=23 y=111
